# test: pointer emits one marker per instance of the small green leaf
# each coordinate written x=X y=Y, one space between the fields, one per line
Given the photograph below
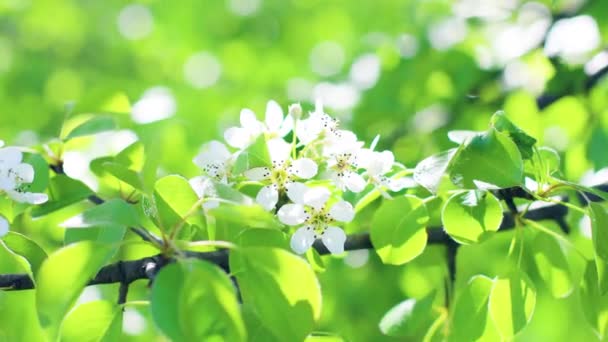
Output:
x=599 y=233
x=90 y=321
x=512 y=302
x=471 y=310
x=488 y=160
x=62 y=277
x=256 y=155
x=398 y=231
x=63 y=191
x=552 y=265
x=27 y=248
x=429 y=172
x=259 y=237
x=132 y=157
x=246 y=216
x=95 y=125
x=174 y=199
x=124 y=174
x=523 y=141
x=41 y=172
x=193 y=300
x=410 y=318
x=468 y=215
x=280 y=287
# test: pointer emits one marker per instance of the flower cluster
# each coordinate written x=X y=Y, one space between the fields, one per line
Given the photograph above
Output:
x=311 y=163
x=14 y=178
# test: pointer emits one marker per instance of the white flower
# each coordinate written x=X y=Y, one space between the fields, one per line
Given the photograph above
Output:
x=342 y=167
x=377 y=165
x=317 y=125
x=315 y=218
x=281 y=174
x=3 y=225
x=203 y=186
x=274 y=125
x=14 y=175
x=215 y=160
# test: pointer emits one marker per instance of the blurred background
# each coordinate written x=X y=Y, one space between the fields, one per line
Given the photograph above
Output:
x=176 y=73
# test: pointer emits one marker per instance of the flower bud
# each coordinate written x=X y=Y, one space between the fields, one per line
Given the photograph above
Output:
x=295 y=110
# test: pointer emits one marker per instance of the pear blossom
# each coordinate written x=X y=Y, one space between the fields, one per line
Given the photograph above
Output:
x=342 y=168
x=317 y=125
x=3 y=226
x=281 y=174
x=274 y=125
x=215 y=160
x=377 y=165
x=14 y=176
x=315 y=218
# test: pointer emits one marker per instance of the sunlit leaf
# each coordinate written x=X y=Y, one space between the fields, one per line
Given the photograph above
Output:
x=398 y=230
x=468 y=216
x=95 y=125
x=512 y=303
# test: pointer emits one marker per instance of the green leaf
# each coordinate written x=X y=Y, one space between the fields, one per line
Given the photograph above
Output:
x=599 y=233
x=19 y=321
x=523 y=141
x=259 y=237
x=63 y=191
x=593 y=303
x=27 y=248
x=106 y=222
x=467 y=216
x=471 y=310
x=552 y=265
x=256 y=155
x=512 y=302
x=429 y=172
x=95 y=125
x=398 y=231
x=124 y=174
x=193 y=300
x=410 y=318
x=91 y=321
x=132 y=157
x=62 y=277
x=41 y=172
x=488 y=160
x=174 y=199
x=246 y=216
x=280 y=287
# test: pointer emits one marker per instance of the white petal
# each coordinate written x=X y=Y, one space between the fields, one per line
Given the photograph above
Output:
x=25 y=172
x=208 y=205
x=286 y=126
x=237 y=137
x=257 y=173
x=267 y=197
x=10 y=156
x=302 y=239
x=308 y=130
x=304 y=168
x=28 y=197
x=274 y=116
x=248 y=119
x=200 y=185
x=279 y=149
x=353 y=181
x=3 y=226
x=316 y=197
x=342 y=211
x=374 y=143
x=292 y=214
x=296 y=191
x=333 y=238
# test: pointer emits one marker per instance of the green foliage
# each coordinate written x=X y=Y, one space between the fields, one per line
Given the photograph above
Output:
x=489 y=159
x=64 y=191
x=27 y=248
x=62 y=277
x=93 y=321
x=96 y=124
x=468 y=216
x=195 y=301
x=511 y=303
x=175 y=201
x=399 y=229
x=410 y=318
x=280 y=288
